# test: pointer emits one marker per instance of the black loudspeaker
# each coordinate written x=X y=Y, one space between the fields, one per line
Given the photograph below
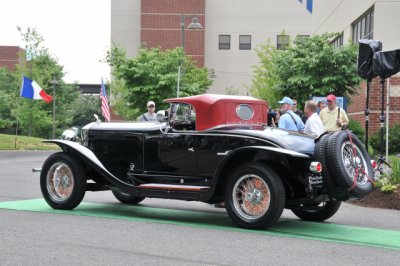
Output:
x=386 y=64
x=366 y=51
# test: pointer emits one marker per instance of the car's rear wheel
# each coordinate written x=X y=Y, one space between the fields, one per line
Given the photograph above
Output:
x=127 y=198
x=318 y=212
x=63 y=181
x=254 y=196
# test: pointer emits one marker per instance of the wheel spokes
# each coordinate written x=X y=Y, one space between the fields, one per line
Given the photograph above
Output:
x=251 y=196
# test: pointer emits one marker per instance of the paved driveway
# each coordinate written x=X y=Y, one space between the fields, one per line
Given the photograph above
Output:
x=48 y=238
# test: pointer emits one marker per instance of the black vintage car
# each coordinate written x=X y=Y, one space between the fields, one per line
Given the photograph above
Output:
x=212 y=148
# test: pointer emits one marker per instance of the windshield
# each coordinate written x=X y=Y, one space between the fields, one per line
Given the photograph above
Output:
x=182 y=116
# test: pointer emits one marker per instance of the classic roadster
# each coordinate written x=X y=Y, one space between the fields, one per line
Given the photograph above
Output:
x=212 y=148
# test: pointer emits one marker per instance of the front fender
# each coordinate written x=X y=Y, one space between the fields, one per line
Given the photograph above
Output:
x=89 y=157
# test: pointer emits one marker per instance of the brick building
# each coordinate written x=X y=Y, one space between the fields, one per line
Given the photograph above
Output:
x=10 y=56
x=161 y=25
x=233 y=29
x=357 y=106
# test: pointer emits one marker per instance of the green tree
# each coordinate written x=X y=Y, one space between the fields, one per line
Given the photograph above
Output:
x=152 y=75
x=83 y=108
x=265 y=74
x=7 y=100
x=308 y=67
x=43 y=68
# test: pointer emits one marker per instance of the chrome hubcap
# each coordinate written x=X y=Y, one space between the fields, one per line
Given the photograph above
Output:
x=60 y=182
x=251 y=196
x=355 y=165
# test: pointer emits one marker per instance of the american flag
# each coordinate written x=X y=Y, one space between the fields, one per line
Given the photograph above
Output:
x=105 y=109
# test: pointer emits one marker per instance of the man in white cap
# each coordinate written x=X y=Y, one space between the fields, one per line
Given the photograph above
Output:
x=151 y=115
x=289 y=120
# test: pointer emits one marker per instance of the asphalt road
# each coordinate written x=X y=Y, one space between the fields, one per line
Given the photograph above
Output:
x=32 y=238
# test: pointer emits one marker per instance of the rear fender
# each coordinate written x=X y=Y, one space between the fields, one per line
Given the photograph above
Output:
x=253 y=153
x=87 y=156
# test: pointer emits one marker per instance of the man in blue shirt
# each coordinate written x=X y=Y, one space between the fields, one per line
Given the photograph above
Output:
x=289 y=120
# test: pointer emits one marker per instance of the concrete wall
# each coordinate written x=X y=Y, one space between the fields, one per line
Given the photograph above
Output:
x=125 y=24
x=338 y=15
x=263 y=20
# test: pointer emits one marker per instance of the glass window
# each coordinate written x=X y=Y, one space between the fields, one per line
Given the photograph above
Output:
x=183 y=116
x=282 y=42
x=302 y=38
x=245 y=42
x=363 y=27
x=224 y=42
x=338 y=41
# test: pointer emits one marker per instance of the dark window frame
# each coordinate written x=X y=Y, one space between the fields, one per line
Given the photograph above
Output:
x=363 y=27
x=244 y=45
x=301 y=38
x=224 y=45
x=338 y=41
x=280 y=45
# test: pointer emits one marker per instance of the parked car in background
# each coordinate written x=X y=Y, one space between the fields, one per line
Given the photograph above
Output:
x=212 y=148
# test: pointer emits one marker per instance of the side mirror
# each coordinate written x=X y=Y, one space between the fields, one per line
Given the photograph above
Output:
x=162 y=116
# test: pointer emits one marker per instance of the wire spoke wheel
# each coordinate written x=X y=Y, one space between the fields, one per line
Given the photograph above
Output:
x=60 y=181
x=254 y=196
x=355 y=164
x=251 y=196
x=63 y=181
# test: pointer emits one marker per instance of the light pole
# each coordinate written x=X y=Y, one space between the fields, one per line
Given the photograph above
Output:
x=194 y=25
x=54 y=82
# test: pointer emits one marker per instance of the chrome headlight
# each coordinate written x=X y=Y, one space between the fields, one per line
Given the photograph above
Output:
x=69 y=135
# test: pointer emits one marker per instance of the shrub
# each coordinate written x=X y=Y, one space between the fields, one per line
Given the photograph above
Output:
x=394 y=140
x=390 y=180
x=356 y=128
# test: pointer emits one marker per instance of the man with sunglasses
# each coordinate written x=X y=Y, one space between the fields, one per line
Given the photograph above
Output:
x=151 y=115
x=333 y=118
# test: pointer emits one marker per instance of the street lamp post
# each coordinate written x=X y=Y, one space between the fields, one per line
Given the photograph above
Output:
x=194 y=25
x=54 y=82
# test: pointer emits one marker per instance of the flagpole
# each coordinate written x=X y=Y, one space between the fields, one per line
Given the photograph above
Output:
x=54 y=82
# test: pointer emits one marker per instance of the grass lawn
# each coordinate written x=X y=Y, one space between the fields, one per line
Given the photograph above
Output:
x=7 y=142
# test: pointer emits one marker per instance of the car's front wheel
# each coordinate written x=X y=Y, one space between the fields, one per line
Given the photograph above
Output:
x=127 y=198
x=63 y=181
x=254 y=196
x=318 y=212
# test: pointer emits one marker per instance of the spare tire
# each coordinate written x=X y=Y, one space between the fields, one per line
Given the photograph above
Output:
x=349 y=164
x=321 y=156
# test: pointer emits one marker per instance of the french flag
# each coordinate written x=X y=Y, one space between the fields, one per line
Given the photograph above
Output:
x=31 y=90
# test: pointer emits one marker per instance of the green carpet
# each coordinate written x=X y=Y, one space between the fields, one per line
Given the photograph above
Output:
x=220 y=221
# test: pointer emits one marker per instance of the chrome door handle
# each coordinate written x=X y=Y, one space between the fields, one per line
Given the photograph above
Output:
x=223 y=153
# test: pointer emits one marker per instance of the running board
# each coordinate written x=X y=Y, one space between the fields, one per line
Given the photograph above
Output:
x=173 y=187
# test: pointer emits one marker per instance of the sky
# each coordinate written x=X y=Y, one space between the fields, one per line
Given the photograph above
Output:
x=76 y=32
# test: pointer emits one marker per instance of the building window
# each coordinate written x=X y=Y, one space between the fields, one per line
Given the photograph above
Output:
x=363 y=27
x=302 y=38
x=338 y=41
x=224 y=42
x=282 y=42
x=245 y=42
